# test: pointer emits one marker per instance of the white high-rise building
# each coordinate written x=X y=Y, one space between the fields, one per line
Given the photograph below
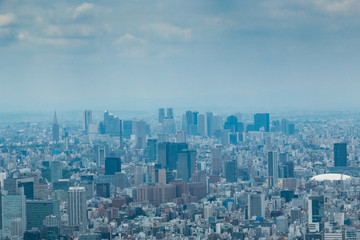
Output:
x=77 y=207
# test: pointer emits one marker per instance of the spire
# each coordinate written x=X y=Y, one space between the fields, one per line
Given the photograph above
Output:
x=55 y=119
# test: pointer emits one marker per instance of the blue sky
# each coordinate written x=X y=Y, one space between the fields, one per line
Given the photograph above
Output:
x=240 y=55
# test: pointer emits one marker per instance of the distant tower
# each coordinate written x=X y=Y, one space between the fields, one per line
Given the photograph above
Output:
x=316 y=205
x=262 y=120
x=340 y=155
x=161 y=115
x=273 y=168
x=87 y=120
x=77 y=207
x=170 y=113
x=256 y=205
x=55 y=129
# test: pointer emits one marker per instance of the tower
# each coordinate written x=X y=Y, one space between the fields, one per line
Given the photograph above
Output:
x=55 y=129
x=87 y=120
x=112 y=165
x=77 y=207
x=273 y=168
x=161 y=115
x=316 y=206
x=262 y=120
x=340 y=155
x=256 y=205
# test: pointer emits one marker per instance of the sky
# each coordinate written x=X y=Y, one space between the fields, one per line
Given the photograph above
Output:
x=260 y=55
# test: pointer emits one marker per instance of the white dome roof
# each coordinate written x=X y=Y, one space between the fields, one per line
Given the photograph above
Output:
x=331 y=177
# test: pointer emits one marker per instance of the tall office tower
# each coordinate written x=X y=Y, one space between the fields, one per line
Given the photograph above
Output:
x=284 y=126
x=103 y=190
x=101 y=152
x=262 y=121
x=77 y=207
x=51 y=228
x=112 y=165
x=181 y=136
x=340 y=155
x=37 y=210
x=87 y=120
x=191 y=122
x=231 y=124
x=169 y=113
x=230 y=171
x=139 y=175
x=169 y=126
x=121 y=134
x=256 y=203
x=316 y=205
x=168 y=154
x=216 y=123
x=13 y=207
x=87 y=181
x=186 y=164
x=288 y=170
x=18 y=185
x=151 y=150
x=55 y=129
x=158 y=176
x=56 y=170
x=201 y=120
x=161 y=115
x=273 y=168
x=140 y=134
x=216 y=160
x=111 y=124
x=209 y=116
x=128 y=128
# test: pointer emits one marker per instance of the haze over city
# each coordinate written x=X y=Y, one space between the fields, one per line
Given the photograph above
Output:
x=242 y=55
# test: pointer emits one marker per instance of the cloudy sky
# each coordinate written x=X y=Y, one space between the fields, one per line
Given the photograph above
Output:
x=243 y=55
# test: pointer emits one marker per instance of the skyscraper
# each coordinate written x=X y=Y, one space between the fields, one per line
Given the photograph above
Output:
x=37 y=210
x=112 y=165
x=87 y=120
x=216 y=160
x=13 y=207
x=273 y=168
x=55 y=129
x=169 y=113
x=256 y=205
x=340 y=155
x=201 y=120
x=316 y=206
x=168 y=154
x=186 y=164
x=56 y=170
x=161 y=115
x=262 y=120
x=77 y=207
x=230 y=171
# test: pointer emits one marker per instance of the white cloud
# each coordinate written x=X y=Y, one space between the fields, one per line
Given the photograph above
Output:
x=128 y=38
x=83 y=8
x=343 y=6
x=6 y=19
x=169 y=31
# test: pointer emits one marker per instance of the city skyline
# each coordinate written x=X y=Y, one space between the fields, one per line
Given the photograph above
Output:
x=265 y=55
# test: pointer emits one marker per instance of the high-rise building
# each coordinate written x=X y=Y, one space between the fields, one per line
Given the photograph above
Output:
x=230 y=171
x=77 y=207
x=340 y=155
x=201 y=120
x=191 y=124
x=151 y=150
x=56 y=170
x=186 y=164
x=158 y=176
x=262 y=121
x=140 y=134
x=112 y=165
x=37 y=210
x=169 y=113
x=55 y=129
x=128 y=128
x=103 y=190
x=209 y=116
x=87 y=120
x=13 y=207
x=273 y=168
x=231 y=124
x=316 y=210
x=256 y=203
x=161 y=115
x=168 y=154
x=216 y=160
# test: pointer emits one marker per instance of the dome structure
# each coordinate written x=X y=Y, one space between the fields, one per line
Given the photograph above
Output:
x=331 y=177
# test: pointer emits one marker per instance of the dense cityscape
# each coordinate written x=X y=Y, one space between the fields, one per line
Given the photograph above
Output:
x=181 y=176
